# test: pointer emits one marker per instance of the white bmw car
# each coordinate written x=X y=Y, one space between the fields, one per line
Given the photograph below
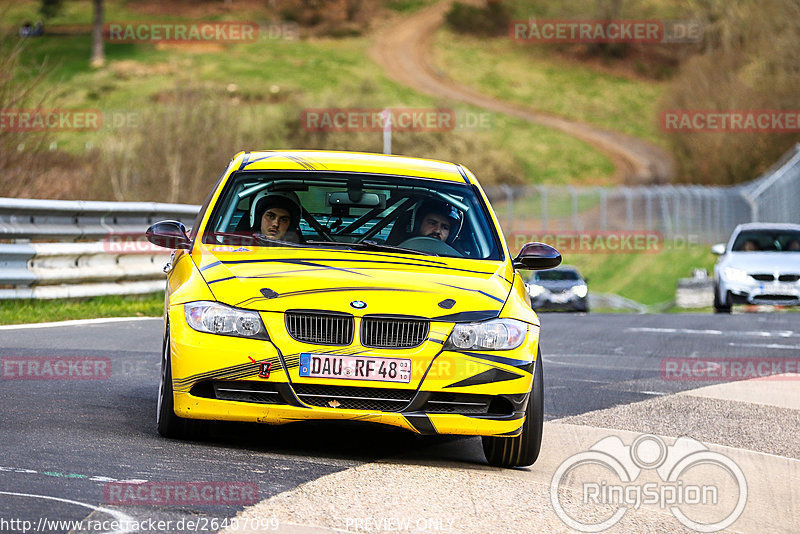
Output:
x=759 y=265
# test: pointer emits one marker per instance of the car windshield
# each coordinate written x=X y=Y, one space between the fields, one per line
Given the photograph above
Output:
x=556 y=275
x=357 y=211
x=767 y=241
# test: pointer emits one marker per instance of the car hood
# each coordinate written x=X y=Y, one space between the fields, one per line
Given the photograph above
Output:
x=278 y=279
x=764 y=262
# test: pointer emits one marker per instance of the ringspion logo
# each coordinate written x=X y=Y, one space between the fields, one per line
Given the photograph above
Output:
x=704 y=490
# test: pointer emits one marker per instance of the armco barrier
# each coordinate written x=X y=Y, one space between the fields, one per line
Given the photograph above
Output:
x=72 y=266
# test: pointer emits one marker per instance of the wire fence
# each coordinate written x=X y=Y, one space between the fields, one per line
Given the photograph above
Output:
x=707 y=214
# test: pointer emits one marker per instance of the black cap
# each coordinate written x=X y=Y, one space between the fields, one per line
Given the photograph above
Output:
x=439 y=207
x=280 y=201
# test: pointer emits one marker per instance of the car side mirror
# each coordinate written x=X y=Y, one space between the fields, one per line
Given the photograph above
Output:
x=718 y=249
x=169 y=234
x=537 y=256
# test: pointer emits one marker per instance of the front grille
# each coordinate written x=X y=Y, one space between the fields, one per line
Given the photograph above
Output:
x=320 y=328
x=458 y=403
x=789 y=277
x=242 y=391
x=354 y=398
x=393 y=332
x=775 y=298
x=763 y=277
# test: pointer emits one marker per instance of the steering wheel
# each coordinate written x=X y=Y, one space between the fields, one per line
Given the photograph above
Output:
x=430 y=244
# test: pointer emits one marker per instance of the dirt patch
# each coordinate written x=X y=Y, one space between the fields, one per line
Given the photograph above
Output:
x=404 y=50
x=192 y=47
x=128 y=68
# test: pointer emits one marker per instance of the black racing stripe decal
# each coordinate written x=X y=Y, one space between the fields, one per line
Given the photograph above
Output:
x=253 y=300
x=244 y=160
x=463 y=174
x=468 y=316
x=300 y=161
x=498 y=299
x=421 y=423
x=486 y=377
x=221 y=280
x=497 y=359
x=309 y=261
x=210 y=265
x=263 y=158
x=339 y=289
x=233 y=372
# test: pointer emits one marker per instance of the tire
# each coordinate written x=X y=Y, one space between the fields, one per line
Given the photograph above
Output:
x=170 y=425
x=718 y=306
x=522 y=450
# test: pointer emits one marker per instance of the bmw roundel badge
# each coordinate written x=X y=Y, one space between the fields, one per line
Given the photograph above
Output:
x=358 y=304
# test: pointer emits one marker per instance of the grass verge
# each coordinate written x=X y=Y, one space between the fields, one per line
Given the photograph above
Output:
x=266 y=80
x=44 y=311
x=525 y=75
x=649 y=279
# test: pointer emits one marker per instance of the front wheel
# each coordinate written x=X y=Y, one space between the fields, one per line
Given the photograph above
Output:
x=718 y=306
x=169 y=424
x=522 y=450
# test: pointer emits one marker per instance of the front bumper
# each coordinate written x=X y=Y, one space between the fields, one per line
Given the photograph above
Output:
x=217 y=378
x=769 y=293
x=559 y=301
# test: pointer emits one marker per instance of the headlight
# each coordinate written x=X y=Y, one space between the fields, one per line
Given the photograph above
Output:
x=534 y=290
x=498 y=334
x=736 y=275
x=216 y=318
x=580 y=291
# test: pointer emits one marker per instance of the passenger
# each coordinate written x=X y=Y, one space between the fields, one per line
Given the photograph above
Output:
x=278 y=217
x=438 y=220
x=794 y=245
x=750 y=246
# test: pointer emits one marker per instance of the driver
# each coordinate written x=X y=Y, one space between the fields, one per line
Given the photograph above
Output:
x=438 y=219
x=278 y=217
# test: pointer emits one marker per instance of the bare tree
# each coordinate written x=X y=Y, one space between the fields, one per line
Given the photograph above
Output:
x=98 y=53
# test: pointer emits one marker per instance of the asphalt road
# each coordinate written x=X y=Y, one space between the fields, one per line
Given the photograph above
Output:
x=62 y=441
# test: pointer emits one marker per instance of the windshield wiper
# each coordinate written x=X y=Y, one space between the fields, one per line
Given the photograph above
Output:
x=371 y=245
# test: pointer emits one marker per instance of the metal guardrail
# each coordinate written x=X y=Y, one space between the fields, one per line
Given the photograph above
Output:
x=691 y=213
x=118 y=260
x=77 y=268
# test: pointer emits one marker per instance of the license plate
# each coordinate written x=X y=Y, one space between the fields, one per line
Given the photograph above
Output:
x=355 y=367
x=779 y=289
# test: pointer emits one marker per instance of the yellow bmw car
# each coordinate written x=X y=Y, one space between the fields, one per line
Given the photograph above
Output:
x=334 y=285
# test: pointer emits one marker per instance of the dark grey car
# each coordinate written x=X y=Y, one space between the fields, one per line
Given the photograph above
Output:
x=562 y=288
